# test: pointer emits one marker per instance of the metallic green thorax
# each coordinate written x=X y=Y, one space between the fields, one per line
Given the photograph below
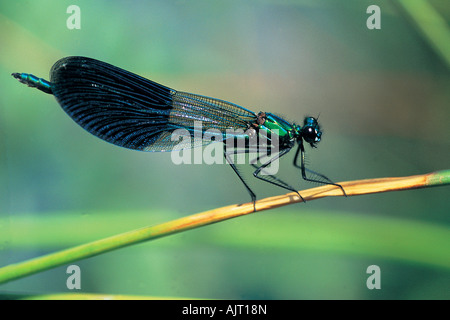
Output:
x=277 y=130
x=276 y=126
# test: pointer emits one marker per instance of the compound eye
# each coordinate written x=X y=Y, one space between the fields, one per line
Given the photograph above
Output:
x=311 y=135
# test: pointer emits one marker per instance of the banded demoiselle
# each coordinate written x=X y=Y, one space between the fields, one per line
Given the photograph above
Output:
x=130 y=111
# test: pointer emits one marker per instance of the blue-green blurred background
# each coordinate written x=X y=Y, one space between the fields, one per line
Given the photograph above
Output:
x=383 y=98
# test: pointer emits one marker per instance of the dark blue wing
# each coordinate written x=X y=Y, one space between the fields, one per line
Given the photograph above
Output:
x=133 y=112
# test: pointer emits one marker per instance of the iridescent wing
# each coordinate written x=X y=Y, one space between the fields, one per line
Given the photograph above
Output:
x=136 y=113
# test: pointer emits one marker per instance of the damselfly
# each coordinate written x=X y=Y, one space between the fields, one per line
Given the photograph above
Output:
x=130 y=111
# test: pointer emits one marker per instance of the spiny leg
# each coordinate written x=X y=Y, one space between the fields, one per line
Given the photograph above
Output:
x=275 y=178
x=233 y=166
x=276 y=181
x=303 y=169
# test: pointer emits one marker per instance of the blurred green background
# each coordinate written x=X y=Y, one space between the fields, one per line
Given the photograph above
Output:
x=383 y=98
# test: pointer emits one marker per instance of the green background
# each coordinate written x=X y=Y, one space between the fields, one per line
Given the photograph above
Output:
x=383 y=98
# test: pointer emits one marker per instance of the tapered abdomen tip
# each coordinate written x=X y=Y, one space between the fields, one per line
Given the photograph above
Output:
x=33 y=81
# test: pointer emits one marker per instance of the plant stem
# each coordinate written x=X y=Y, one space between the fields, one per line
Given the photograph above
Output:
x=352 y=188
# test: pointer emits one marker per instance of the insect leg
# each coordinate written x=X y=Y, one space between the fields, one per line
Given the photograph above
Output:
x=272 y=178
x=326 y=180
x=233 y=166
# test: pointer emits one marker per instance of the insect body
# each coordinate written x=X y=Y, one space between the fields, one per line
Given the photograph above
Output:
x=130 y=111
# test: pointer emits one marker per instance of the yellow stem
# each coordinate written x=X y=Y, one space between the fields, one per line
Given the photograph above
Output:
x=352 y=188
